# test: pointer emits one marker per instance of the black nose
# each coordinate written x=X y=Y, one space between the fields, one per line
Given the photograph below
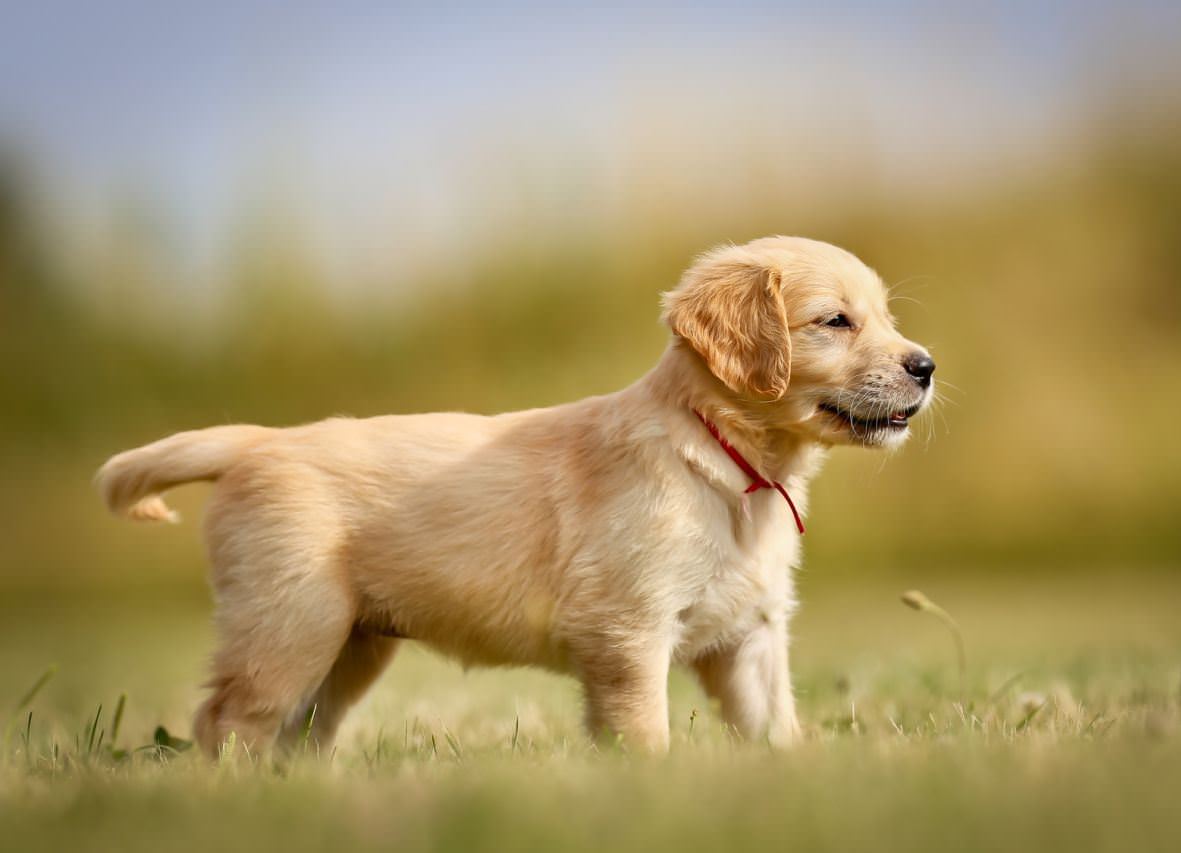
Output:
x=920 y=366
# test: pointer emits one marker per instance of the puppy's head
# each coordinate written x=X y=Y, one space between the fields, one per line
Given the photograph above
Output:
x=800 y=332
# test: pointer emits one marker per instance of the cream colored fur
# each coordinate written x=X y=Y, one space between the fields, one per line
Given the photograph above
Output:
x=607 y=538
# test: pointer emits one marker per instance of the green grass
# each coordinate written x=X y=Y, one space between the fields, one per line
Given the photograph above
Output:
x=1068 y=736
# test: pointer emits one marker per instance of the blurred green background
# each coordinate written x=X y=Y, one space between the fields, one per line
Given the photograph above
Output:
x=1051 y=298
x=477 y=220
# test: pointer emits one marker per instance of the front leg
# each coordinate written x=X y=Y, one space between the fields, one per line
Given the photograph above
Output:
x=626 y=688
x=751 y=680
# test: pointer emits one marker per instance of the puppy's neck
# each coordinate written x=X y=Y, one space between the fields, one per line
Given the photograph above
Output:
x=682 y=381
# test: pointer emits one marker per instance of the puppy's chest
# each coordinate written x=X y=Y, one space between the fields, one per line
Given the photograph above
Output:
x=732 y=592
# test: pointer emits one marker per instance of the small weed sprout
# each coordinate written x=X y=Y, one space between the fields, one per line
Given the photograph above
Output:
x=226 y=750
x=918 y=601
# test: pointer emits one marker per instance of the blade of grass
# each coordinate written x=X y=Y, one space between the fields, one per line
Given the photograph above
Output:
x=1029 y=715
x=453 y=742
x=92 y=732
x=118 y=720
x=309 y=721
x=27 y=700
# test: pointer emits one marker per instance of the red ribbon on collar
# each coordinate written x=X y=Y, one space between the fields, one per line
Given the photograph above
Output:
x=758 y=481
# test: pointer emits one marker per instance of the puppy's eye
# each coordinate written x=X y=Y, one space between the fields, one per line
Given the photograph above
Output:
x=840 y=321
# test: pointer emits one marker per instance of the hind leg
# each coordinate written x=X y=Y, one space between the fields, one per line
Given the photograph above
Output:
x=280 y=634
x=361 y=660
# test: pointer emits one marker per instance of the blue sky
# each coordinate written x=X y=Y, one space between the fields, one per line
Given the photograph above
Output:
x=386 y=110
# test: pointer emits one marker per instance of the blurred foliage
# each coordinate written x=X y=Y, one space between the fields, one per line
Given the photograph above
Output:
x=1049 y=296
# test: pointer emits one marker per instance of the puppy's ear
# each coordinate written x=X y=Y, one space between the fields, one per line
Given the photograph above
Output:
x=730 y=310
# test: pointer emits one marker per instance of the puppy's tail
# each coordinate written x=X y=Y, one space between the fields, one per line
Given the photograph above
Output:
x=131 y=482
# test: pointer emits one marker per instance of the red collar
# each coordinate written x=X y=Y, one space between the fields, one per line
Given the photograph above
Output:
x=758 y=481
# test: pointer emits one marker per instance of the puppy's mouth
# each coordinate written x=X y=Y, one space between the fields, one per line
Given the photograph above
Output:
x=895 y=421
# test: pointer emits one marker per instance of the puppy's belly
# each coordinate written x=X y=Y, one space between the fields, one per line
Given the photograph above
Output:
x=514 y=630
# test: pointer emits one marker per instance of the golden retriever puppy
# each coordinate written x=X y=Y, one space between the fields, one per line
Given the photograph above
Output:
x=607 y=538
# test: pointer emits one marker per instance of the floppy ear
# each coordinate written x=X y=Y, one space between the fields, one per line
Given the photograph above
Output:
x=730 y=310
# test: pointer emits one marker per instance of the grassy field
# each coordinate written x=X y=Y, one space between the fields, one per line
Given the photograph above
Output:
x=1065 y=735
